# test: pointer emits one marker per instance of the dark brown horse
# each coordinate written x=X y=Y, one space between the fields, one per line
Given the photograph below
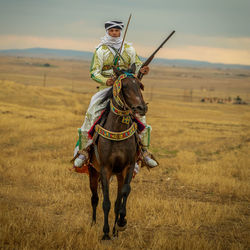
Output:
x=117 y=157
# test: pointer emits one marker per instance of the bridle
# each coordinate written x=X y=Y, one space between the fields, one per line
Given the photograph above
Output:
x=124 y=111
x=117 y=93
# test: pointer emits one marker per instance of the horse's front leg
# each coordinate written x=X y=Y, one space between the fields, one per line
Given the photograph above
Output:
x=93 y=182
x=120 y=181
x=105 y=175
x=125 y=193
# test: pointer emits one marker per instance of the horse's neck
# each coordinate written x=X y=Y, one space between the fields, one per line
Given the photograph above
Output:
x=114 y=122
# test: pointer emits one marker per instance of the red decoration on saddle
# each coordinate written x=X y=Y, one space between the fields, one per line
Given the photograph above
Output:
x=83 y=170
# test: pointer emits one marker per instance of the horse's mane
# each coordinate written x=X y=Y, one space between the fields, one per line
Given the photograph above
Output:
x=108 y=95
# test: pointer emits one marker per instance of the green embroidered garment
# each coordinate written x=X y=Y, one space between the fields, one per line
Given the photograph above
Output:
x=104 y=58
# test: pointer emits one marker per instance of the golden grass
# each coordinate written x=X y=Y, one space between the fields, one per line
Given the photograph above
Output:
x=197 y=199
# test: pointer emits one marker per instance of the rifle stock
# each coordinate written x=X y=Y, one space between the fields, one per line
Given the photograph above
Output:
x=148 y=61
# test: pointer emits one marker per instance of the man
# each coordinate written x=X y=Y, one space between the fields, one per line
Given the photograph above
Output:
x=106 y=56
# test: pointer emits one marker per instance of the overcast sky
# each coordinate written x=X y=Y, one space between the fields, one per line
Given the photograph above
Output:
x=210 y=30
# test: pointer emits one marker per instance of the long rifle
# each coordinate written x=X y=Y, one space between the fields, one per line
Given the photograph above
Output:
x=140 y=75
x=120 y=49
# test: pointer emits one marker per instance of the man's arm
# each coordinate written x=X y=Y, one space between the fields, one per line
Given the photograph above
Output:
x=96 y=67
x=134 y=58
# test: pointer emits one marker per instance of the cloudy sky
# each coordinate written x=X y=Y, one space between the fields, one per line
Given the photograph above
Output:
x=208 y=30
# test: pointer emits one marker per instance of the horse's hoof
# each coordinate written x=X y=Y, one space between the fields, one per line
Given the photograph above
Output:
x=119 y=228
x=106 y=237
x=122 y=223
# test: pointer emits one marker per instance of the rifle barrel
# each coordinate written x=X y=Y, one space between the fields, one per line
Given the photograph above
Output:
x=163 y=42
x=147 y=62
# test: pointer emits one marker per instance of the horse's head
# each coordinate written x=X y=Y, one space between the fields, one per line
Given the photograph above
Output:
x=129 y=91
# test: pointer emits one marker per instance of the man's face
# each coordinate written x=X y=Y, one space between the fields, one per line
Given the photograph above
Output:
x=114 y=32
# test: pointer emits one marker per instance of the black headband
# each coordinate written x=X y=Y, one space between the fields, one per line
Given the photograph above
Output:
x=114 y=24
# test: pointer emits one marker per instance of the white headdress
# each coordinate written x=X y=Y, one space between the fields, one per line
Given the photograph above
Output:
x=114 y=42
x=110 y=41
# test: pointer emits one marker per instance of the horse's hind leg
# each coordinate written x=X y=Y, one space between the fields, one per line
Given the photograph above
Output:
x=125 y=193
x=106 y=202
x=93 y=182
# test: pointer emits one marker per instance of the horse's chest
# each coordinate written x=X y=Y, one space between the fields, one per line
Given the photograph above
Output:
x=118 y=154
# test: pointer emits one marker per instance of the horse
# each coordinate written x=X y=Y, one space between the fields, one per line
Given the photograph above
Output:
x=116 y=149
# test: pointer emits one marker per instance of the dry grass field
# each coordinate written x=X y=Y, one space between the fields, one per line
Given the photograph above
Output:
x=199 y=197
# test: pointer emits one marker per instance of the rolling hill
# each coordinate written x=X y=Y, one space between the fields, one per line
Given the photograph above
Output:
x=86 y=55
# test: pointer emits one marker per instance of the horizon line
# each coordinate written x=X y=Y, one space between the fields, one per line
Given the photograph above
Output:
x=161 y=58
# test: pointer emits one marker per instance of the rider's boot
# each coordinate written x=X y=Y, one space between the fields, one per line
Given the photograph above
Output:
x=81 y=153
x=80 y=160
x=148 y=159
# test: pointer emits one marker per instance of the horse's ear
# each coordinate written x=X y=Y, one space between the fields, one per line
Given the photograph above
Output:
x=116 y=71
x=133 y=68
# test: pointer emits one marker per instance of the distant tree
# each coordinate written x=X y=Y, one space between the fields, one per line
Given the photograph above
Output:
x=238 y=98
x=46 y=65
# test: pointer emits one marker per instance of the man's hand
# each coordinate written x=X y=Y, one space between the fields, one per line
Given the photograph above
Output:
x=110 y=82
x=144 y=70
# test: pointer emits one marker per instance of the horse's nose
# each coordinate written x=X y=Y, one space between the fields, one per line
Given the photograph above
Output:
x=141 y=109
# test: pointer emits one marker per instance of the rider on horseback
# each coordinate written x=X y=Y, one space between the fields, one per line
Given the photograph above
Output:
x=107 y=54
